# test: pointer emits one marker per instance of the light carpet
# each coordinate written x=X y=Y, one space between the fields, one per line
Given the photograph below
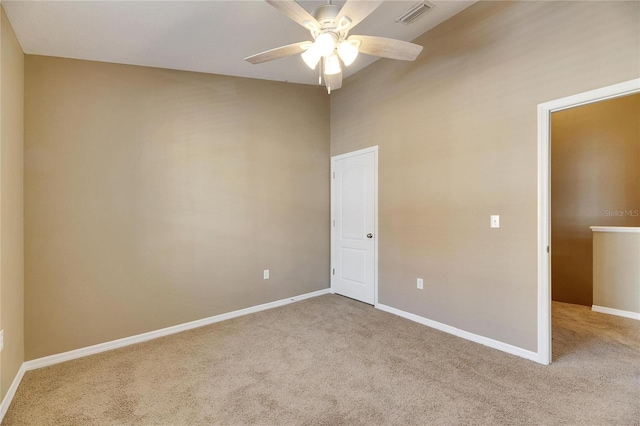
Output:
x=330 y=361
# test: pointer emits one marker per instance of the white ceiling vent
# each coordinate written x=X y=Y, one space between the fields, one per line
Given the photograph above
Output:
x=415 y=11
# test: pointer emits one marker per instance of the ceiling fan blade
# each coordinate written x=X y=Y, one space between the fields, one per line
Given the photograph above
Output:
x=388 y=48
x=357 y=10
x=277 y=53
x=334 y=81
x=294 y=11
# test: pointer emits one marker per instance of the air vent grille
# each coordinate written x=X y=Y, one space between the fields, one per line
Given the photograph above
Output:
x=415 y=11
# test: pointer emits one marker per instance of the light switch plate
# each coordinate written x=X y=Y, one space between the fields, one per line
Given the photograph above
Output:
x=1 y=340
x=420 y=283
x=495 y=221
x=265 y=274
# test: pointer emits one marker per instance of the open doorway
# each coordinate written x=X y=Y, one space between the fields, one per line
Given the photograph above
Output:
x=595 y=198
x=545 y=112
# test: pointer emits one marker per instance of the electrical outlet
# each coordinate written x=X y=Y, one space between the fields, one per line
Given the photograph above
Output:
x=265 y=274
x=420 y=283
x=495 y=221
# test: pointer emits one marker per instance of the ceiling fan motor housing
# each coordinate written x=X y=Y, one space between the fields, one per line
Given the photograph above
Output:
x=326 y=15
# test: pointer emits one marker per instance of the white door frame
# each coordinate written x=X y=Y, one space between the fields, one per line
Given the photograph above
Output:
x=544 y=198
x=373 y=149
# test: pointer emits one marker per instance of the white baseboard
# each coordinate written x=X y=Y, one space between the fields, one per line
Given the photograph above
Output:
x=102 y=347
x=495 y=344
x=6 y=401
x=618 y=312
x=114 y=344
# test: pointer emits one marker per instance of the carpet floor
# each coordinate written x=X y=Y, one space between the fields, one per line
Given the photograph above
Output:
x=331 y=360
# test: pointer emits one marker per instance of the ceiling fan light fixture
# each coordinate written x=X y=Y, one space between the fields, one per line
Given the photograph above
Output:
x=311 y=57
x=332 y=65
x=326 y=43
x=330 y=50
x=348 y=52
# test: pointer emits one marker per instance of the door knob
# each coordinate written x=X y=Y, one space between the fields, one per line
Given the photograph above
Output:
x=369 y=235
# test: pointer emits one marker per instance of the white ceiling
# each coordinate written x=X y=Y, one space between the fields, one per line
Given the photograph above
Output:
x=204 y=36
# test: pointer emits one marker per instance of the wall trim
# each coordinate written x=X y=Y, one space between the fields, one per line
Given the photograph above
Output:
x=495 y=344
x=6 y=401
x=139 y=338
x=618 y=312
x=544 y=197
x=623 y=229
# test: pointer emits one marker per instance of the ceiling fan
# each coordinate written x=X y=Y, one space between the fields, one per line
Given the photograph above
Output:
x=332 y=47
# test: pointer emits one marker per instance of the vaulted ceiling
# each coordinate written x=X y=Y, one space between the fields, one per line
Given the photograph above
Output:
x=203 y=36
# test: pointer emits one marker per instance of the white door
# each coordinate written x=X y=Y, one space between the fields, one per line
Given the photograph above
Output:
x=353 y=236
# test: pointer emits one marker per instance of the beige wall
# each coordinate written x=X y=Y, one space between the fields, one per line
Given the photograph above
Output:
x=11 y=205
x=595 y=180
x=616 y=270
x=457 y=142
x=157 y=197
